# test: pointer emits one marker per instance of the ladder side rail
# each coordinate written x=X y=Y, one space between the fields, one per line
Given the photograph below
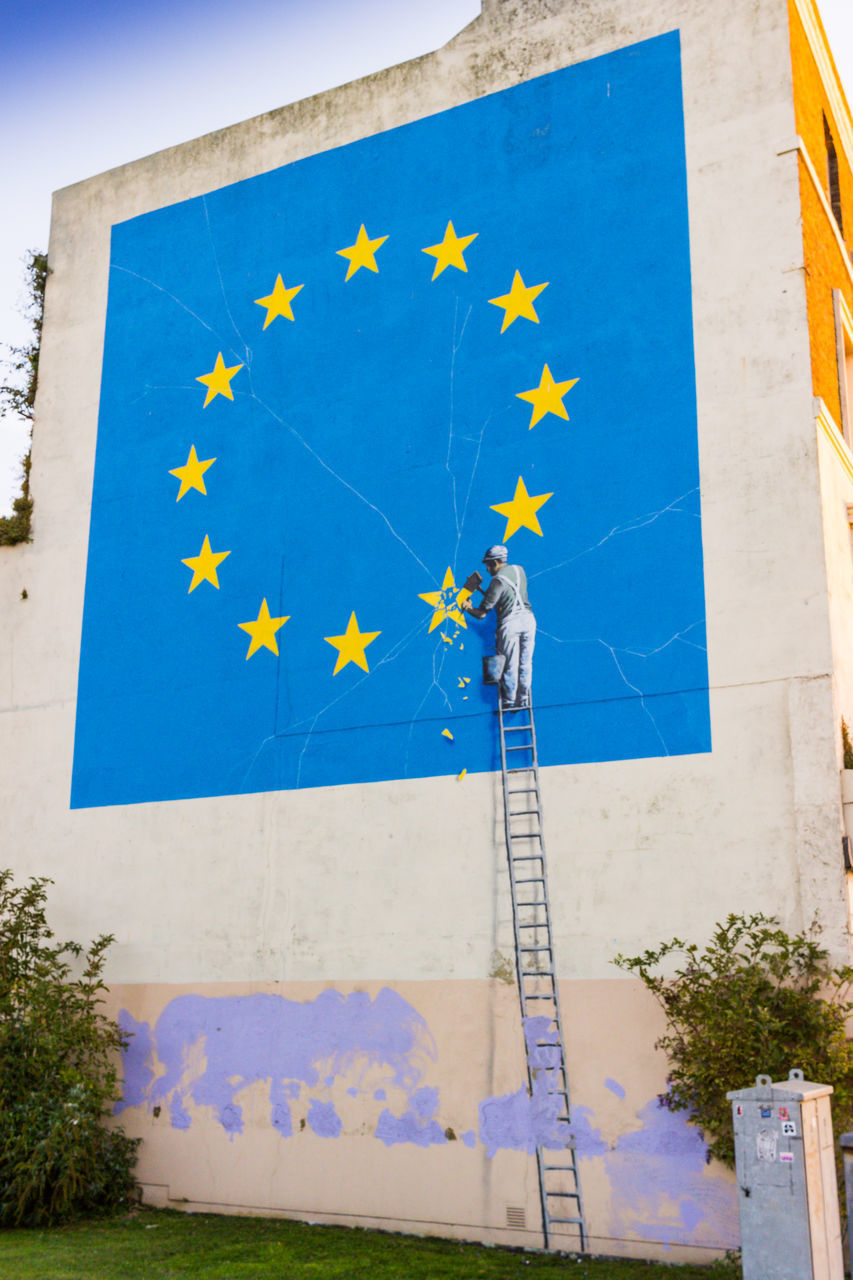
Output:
x=557 y=1072
x=512 y=884
x=518 y=953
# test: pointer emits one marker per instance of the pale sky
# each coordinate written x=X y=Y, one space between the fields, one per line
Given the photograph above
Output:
x=91 y=84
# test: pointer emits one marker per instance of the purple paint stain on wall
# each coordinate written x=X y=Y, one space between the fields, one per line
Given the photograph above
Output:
x=615 y=1087
x=542 y=1042
x=281 y=1119
x=380 y=1095
x=135 y=1057
x=352 y=1091
x=425 y=1103
x=691 y=1214
x=519 y=1122
x=239 y=1040
x=588 y=1141
x=324 y=1120
x=662 y=1187
x=231 y=1119
x=469 y=1138
x=523 y=1121
x=409 y=1127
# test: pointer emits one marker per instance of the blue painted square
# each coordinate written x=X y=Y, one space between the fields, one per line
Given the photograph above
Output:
x=369 y=439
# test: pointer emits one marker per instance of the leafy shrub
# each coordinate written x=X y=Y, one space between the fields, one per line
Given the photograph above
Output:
x=755 y=1000
x=17 y=399
x=58 y=1071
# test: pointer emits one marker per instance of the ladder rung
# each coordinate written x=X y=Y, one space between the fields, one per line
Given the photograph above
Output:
x=559 y=1168
x=543 y=947
x=541 y=925
x=520 y=813
x=523 y=768
x=530 y=880
x=518 y=791
x=526 y=746
x=576 y=1221
x=519 y=728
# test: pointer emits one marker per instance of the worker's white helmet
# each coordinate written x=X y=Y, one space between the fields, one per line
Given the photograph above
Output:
x=496 y=552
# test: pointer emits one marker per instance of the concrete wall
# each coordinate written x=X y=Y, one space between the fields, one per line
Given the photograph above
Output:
x=292 y=895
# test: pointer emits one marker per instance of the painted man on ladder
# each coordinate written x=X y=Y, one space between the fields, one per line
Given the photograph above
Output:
x=515 y=634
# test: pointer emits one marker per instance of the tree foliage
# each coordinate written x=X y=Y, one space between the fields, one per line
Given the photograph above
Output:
x=754 y=1000
x=18 y=396
x=58 y=1071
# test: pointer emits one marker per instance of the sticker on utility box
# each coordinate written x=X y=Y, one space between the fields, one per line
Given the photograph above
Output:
x=786 y=1157
x=765 y=1144
x=789 y=1129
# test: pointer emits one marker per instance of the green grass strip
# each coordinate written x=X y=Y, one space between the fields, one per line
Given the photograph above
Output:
x=151 y=1244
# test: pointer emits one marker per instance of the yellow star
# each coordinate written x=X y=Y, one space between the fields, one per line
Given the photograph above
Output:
x=263 y=630
x=218 y=381
x=446 y=602
x=278 y=302
x=361 y=254
x=521 y=511
x=547 y=397
x=351 y=645
x=204 y=565
x=449 y=252
x=519 y=301
x=192 y=473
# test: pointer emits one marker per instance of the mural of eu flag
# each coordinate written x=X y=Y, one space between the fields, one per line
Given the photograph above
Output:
x=327 y=389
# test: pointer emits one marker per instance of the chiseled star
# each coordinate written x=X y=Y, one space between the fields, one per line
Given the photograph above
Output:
x=191 y=475
x=351 y=645
x=204 y=565
x=519 y=301
x=218 y=381
x=278 y=302
x=521 y=511
x=361 y=254
x=263 y=630
x=547 y=397
x=446 y=602
x=449 y=252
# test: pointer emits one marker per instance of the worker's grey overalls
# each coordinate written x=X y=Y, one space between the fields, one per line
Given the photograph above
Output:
x=515 y=637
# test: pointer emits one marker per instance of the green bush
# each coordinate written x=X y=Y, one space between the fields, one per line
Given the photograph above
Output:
x=755 y=1000
x=17 y=399
x=58 y=1071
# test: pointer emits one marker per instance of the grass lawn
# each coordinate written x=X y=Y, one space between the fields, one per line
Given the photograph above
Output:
x=151 y=1244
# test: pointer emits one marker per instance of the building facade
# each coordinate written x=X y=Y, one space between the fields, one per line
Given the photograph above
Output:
x=577 y=283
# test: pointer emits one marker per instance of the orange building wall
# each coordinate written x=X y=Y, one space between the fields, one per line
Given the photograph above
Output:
x=824 y=261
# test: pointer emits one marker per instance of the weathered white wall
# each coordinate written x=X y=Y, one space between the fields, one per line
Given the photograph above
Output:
x=350 y=885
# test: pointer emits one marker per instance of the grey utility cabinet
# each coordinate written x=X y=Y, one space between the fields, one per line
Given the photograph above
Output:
x=787 y=1191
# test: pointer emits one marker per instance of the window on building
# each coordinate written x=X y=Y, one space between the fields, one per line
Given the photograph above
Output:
x=832 y=173
x=844 y=356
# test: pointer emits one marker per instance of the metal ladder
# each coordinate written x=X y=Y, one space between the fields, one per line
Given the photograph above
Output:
x=559 y=1185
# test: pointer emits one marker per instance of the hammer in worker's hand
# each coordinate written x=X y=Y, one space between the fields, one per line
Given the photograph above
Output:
x=472 y=583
